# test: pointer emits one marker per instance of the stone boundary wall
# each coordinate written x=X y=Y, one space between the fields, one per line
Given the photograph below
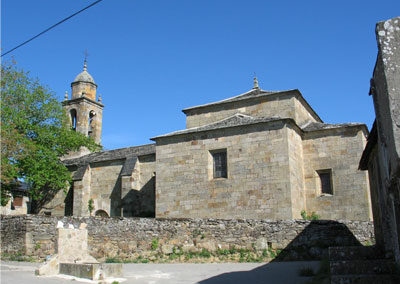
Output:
x=128 y=238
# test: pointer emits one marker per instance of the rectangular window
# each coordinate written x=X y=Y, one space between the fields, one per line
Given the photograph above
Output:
x=220 y=165
x=325 y=177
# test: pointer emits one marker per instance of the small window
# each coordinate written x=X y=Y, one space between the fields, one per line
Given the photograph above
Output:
x=325 y=177
x=220 y=165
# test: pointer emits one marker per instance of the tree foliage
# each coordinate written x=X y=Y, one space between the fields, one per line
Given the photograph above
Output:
x=34 y=135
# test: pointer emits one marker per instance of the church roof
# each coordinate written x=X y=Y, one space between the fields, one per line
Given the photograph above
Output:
x=234 y=120
x=315 y=126
x=242 y=119
x=109 y=155
x=253 y=93
x=84 y=76
x=256 y=93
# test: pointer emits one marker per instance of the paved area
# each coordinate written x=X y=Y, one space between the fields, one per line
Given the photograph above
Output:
x=211 y=273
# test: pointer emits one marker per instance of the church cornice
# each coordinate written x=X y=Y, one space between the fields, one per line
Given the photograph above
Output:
x=242 y=120
x=81 y=99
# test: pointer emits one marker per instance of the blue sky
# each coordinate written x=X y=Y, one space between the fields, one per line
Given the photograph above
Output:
x=151 y=59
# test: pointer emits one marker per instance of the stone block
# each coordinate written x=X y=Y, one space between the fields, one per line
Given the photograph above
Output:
x=208 y=245
x=167 y=248
x=261 y=244
x=92 y=271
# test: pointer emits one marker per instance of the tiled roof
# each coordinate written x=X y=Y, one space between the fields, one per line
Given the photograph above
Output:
x=315 y=126
x=234 y=120
x=242 y=119
x=129 y=165
x=80 y=172
x=109 y=155
x=253 y=93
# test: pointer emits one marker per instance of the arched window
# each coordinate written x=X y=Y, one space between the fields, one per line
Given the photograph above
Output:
x=73 y=119
x=91 y=124
x=101 y=214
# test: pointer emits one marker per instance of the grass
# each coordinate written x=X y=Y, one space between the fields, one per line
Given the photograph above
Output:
x=233 y=254
x=112 y=260
x=368 y=243
x=154 y=244
x=17 y=257
x=310 y=217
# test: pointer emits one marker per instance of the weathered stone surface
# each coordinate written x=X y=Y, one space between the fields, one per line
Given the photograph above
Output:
x=274 y=180
x=261 y=244
x=256 y=103
x=71 y=247
x=125 y=238
x=167 y=248
x=382 y=153
x=92 y=271
x=208 y=245
x=118 y=182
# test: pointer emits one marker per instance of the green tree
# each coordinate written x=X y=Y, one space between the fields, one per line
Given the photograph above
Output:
x=34 y=136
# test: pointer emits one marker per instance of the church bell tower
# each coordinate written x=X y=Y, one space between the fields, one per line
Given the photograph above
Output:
x=84 y=110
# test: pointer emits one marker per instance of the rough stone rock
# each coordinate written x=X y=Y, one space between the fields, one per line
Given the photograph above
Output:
x=167 y=248
x=208 y=245
x=188 y=247
x=261 y=244
x=128 y=238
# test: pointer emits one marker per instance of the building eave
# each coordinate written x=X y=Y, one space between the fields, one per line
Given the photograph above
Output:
x=112 y=155
x=209 y=127
x=260 y=94
x=80 y=99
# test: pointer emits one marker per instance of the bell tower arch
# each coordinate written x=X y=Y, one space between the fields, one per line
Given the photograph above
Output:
x=84 y=108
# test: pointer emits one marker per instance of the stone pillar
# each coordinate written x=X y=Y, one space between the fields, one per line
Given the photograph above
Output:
x=82 y=195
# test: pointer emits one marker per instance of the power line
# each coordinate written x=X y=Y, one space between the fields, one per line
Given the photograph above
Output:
x=53 y=26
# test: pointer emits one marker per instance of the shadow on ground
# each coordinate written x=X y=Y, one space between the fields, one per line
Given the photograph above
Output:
x=306 y=250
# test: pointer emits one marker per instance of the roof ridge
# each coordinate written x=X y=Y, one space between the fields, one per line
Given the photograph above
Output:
x=315 y=125
x=220 y=124
x=118 y=153
x=257 y=92
x=238 y=114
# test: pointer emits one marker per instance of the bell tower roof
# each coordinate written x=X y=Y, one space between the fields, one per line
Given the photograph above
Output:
x=84 y=76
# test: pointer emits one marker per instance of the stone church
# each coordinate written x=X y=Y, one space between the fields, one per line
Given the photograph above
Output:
x=258 y=155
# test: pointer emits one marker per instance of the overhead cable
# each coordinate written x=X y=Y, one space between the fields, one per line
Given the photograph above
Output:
x=53 y=26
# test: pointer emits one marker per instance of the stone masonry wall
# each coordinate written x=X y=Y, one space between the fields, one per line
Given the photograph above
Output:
x=138 y=192
x=338 y=150
x=105 y=187
x=385 y=88
x=128 y=238
x=257 y=185
x=284 y=105
x=83 y=107
x=13 y=230
x=296 y=171
x=81 y=194
x=130 y=196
